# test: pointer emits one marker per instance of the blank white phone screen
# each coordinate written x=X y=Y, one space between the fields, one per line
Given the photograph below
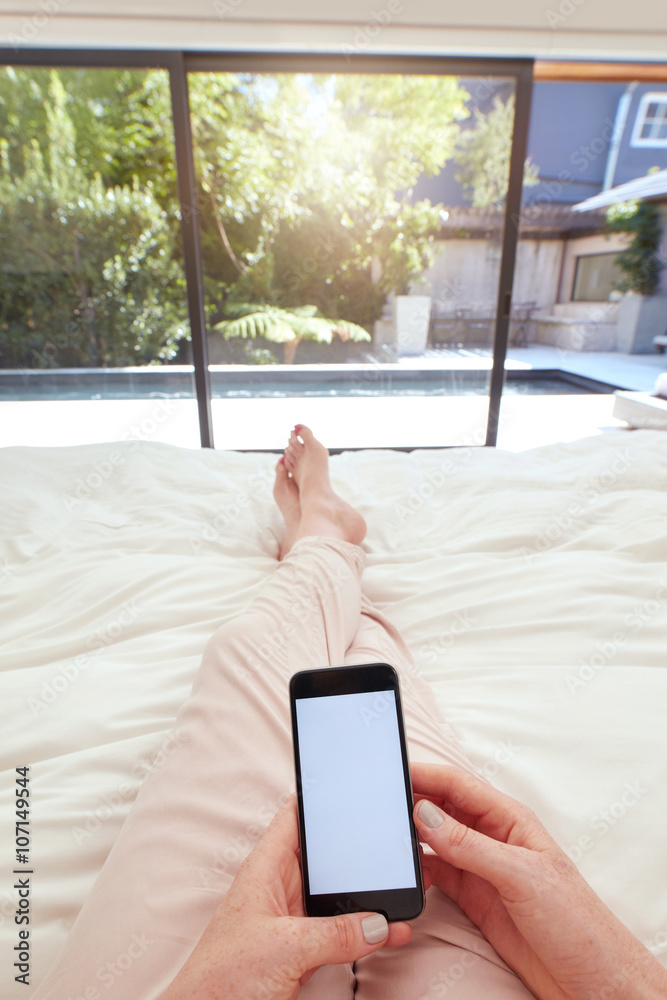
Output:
x=355 y=810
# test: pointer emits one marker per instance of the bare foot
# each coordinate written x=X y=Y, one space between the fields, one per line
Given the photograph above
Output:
x=286 y=495
x=323 y=512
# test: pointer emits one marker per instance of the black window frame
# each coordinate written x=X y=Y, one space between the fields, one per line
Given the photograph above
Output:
x=180 y=63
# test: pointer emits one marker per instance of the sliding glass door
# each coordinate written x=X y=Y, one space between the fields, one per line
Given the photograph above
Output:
x=207 y=248
x=352 y=227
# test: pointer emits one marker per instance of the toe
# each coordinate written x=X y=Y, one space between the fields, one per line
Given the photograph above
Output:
x=303 y=432
x=282 y=478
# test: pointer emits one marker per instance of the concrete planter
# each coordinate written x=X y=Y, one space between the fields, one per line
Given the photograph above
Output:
x=640 y=319
x=412 y=314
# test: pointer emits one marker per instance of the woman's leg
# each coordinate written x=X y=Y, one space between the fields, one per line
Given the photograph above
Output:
x=200 y=813
x=448 y=956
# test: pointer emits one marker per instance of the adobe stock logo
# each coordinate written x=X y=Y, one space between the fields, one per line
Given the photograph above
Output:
x=225 y=7
x=565 y=10
x=365 y=35
x=32 y=26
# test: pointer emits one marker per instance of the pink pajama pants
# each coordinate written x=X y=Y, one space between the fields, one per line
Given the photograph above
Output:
x=199 y=814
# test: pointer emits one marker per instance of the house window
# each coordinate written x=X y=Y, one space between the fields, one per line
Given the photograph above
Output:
x=651 y=122
x=595 y=277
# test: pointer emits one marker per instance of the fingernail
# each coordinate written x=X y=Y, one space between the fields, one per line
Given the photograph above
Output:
x=429 y=814
x=375 y=928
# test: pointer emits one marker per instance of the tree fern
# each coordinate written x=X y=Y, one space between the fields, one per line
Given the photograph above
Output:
x=251 y=320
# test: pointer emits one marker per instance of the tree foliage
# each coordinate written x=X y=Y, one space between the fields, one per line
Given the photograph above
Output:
x=639 y=261
x=252 y=320
x=304 y=186
x=304 y=180
x=89 y=268
x=484 y=152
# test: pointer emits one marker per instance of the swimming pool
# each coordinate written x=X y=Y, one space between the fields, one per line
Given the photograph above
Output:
x=411 y=387
x=150 y=383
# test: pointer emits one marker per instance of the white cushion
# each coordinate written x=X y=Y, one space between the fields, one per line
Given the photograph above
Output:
x=661 y=386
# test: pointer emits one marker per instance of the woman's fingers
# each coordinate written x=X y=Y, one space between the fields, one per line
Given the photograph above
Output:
x=281 y=838
x=497 y=814
x=502 y=865
x=463 y=790
x=346 y=938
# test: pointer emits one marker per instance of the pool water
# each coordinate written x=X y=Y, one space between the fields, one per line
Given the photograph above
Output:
x=404 y=387
x=55 y=387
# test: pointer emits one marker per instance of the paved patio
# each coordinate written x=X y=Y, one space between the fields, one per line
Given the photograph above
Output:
x=352 y=422
x=637 y=372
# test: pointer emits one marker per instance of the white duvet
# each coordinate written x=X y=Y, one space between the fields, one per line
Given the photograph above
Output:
x=531 y=587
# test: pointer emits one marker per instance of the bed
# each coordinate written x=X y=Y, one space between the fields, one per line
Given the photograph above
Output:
x=531 y=588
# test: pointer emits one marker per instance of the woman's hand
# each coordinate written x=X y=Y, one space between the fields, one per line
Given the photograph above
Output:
x=259 y=943
x=496 y=860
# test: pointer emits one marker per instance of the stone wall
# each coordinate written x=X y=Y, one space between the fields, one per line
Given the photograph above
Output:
x=466 y=271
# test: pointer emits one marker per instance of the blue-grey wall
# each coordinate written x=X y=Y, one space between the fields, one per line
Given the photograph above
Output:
x=569 y=140
x=571 y=126
x=444 y=187
x=637 y=161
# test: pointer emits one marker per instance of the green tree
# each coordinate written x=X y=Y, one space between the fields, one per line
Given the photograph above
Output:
x=305 y=185
x=305 y=180
x=121 y=121
x=483 y=153
x=88 y=273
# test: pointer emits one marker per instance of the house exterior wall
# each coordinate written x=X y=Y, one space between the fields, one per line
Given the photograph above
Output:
x=571 y=127
x=636 y=161
x=465 y=272
x=465 y=275
x=570 y=140
x=538 y=265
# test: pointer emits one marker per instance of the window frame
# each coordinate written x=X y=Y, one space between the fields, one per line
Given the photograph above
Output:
x=586 y=256
x=646 y=142
x=179 y=63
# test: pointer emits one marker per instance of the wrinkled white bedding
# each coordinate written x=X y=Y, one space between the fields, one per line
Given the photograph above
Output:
x=531 y=587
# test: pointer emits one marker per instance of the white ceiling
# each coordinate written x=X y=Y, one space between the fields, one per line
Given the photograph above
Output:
x=600 y=29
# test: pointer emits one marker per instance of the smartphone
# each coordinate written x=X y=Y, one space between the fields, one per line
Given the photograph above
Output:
x=359 y=846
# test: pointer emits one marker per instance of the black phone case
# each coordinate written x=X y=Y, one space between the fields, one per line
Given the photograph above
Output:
x=395 y=904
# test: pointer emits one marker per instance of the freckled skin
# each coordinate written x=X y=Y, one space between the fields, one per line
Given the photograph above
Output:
x=495 y=859
x=260 y=941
